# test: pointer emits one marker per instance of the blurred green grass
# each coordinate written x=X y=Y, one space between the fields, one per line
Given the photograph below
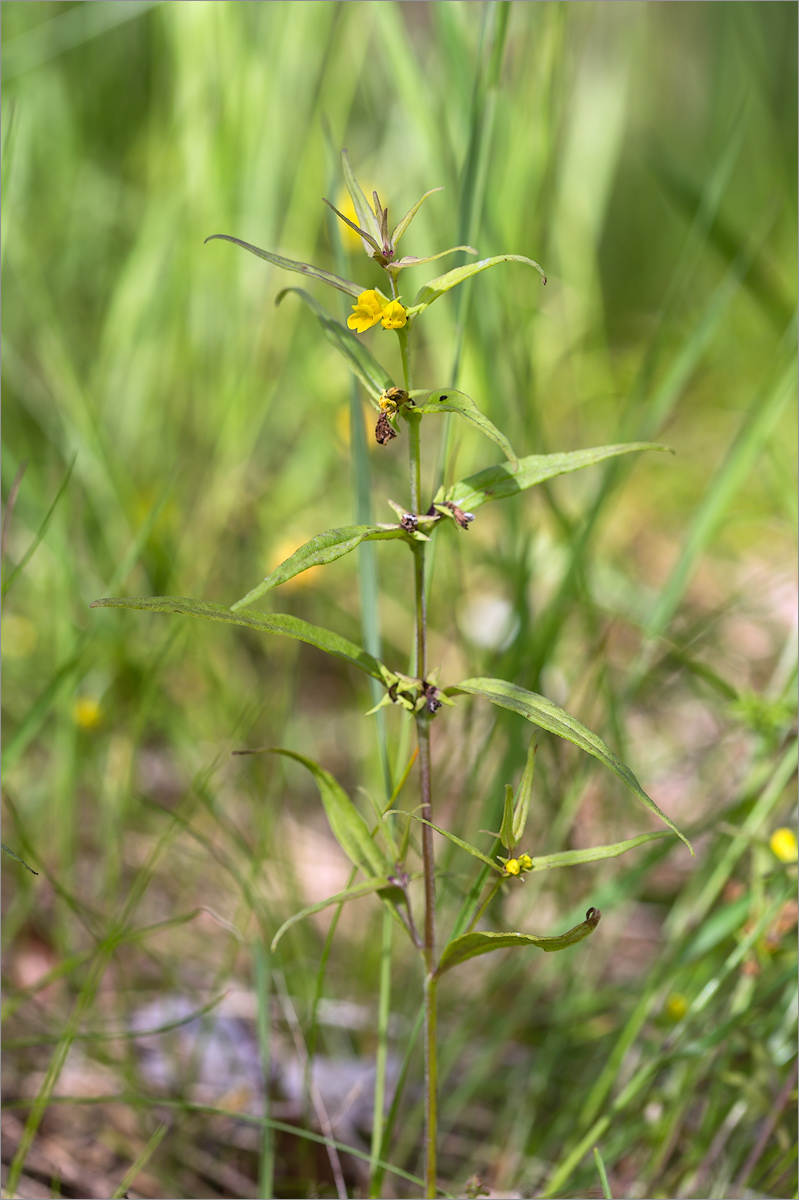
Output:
x=646 y=155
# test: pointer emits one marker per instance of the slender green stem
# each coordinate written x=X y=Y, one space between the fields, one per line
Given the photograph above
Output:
x=381 y=1063
x=266 y=1167
x=431 y=1084
x=425 y=787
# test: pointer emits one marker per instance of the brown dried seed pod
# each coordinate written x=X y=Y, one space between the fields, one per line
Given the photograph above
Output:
x=383 y=431
x=464 y=519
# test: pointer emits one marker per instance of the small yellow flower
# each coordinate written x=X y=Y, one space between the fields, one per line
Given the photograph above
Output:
x=512 y=866
x=784 y=844
x=676 y=1006
x=86 y=712
x=525 y=862
x=393 y=316
x=366 y=312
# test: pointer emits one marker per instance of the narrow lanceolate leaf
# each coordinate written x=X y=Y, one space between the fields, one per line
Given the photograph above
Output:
x=17 y=858
x=467 y=846
x=324 y=548
x=497 y=483
x=348 y=826
x=506 y=828
x=448 y=400
x=470 y=945
x=522 y=806
x=365 y=213
x=353 y=893
x=444 y=283
x=573 y=858
x=549 y=716
x=411 y=261
x=410 y=214
x=278 y=623
x=360 y=360
x=289 y=264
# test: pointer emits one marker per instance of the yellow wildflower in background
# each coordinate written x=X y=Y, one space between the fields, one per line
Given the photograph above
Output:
x=676 y=1006
x=352 y=240
x=784 y=844
x=86 y=712
x=366 y=312
x=394 y=316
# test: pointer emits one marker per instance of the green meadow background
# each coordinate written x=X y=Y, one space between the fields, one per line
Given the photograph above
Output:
x=167 y=430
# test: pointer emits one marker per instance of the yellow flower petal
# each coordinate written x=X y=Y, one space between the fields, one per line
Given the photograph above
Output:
x=366 y=312
x=394 y=316
x=512 y=866
x=525 y=862
x=784 y=844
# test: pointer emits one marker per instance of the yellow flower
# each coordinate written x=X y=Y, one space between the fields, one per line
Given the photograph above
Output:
x=784 y=845
x=525 y=862
x=512 y=866
x=366 y=312
x=394 y=315
x=86 y=712
x=676 y=1006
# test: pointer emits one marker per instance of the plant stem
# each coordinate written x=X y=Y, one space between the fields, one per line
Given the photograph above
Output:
x=431 y=1055
x=414 y=421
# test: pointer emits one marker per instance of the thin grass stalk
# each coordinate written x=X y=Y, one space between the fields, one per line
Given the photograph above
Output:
x=381 y=1060
x=266 y=1165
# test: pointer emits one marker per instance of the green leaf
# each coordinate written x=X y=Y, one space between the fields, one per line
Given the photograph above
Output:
x=367 y=237
x=444 y=283
x=17 y=858
x=324 y=548
x=348 y=826
x=353 y=893
x=448 y=400
x=410 y=214
x=277 y=623
x=573 y=858
x=524 y=796
x=366 y=217
x=496 y=483
x=549 y=716
x=506 y=828
x=360 y=360
x=289 y=264
x=410 y=260
x=467 y=846
x=470 y=945
x=42 y=530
